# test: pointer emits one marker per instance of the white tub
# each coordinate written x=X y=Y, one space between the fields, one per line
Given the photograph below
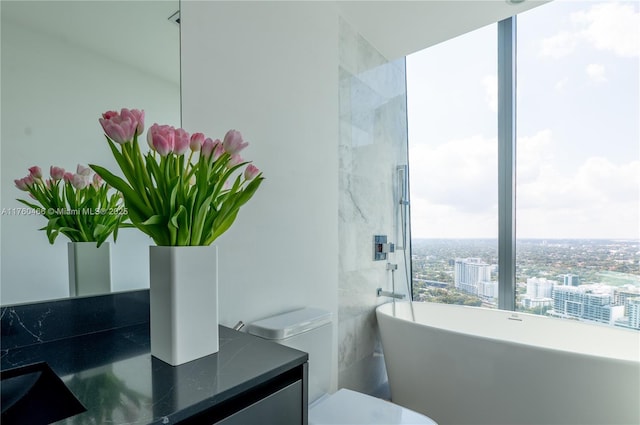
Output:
x=469 y=365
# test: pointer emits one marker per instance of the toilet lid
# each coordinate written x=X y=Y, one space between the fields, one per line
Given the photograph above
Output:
x=350 y=407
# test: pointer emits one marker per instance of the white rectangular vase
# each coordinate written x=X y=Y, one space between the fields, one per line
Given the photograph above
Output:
x=184 y=302
x=89 y=268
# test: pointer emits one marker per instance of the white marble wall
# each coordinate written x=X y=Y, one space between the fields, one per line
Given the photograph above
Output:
x=373 y=136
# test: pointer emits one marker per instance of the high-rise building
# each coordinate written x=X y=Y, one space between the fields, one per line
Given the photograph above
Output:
x=571 y=280
x=469 y=273
x=583 y=302
x=622 y=295
x=539 y=291
x=633 y=305
x=539 y=287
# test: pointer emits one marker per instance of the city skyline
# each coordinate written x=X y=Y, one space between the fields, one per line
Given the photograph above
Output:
x=605 y=275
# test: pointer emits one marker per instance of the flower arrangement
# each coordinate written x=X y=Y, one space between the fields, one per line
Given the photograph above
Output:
x=187 y=189
x=80 y=206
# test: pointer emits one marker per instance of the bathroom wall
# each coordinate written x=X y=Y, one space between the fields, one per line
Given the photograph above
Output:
x=372 y=144
x=270 y=70
x=324 y=114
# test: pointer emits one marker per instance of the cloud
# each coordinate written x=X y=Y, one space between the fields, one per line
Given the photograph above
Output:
x=611 y=26
x=596 y=73
x=600 y=200
x=559 y=45
x=490 y=83
x=561 y=84
x=533 y=152
x=460 y=174
x=454 y=191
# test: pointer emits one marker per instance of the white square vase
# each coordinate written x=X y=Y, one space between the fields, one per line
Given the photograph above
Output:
x=89 y=268
x=183 y=291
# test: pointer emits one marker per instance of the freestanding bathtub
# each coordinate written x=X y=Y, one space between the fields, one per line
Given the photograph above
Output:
x=470 y=365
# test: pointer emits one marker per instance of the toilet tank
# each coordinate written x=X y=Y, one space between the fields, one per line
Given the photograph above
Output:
x=308 y=330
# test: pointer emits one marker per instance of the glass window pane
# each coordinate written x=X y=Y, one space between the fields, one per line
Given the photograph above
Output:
x=578 y=162
x=452 y=121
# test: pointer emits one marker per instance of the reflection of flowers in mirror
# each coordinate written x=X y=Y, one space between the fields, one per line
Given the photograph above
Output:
x=79 y=205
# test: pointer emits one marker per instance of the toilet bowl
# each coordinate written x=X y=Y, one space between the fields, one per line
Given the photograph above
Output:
x=310 y=330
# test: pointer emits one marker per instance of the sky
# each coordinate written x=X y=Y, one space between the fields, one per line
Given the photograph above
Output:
x=578 y=127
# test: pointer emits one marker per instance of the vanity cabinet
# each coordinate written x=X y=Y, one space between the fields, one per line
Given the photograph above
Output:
x=283 y=407
x=249 y=381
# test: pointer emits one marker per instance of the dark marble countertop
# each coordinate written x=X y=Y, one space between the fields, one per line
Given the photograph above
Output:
x=113 y=374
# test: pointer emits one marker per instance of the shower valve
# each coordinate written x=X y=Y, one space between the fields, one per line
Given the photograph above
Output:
x=381 y=247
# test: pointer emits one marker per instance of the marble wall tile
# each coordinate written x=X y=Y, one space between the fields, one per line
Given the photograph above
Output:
x=373 y=142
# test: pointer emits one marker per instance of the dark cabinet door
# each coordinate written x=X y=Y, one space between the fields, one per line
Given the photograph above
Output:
x=284 y=407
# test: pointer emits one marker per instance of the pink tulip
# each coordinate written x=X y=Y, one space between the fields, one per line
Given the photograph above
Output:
x=97 y=181
x=35 y=172
x=181 y=141
x=161 y=138
x=233 y=142
x=207 y=148
x=68 y=177
x=21 y=184
x=79 y=181
x=83 y=171
x=234 y=160
x=29 y=180
x=56 y=172
x=109 y=114
x=197 y=139
x=218 y=149
x=123 y=126
x=251 y=172
x=135 y=115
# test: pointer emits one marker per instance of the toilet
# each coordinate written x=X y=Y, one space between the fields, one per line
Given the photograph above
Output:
x=310 y=330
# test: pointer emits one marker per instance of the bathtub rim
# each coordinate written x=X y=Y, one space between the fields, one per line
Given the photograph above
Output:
x=385 y=309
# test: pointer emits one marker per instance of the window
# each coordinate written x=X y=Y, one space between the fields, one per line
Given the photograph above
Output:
x=452 y=107
x=577 y=167
x=578 y=161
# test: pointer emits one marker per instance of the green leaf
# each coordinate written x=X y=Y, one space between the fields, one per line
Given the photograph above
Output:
x=154 y=219
x=130 y=195
x=199 y=219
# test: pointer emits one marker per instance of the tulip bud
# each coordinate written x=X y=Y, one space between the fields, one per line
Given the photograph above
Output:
x=97 y=181
x=79 y=181
x=207 y=148
x=68 y=177
x=233 y=142
x=35 y=172
x=21 y=184
x=251 y=172
x=197 y=139
x=121 y=127
x=83 y=171
x=234 y=160
x=218 y=150
x=181 y=141
x=162 y=138
x=56 y=172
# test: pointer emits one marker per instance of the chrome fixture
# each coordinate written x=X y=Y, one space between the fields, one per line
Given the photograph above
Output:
x=381 y=247
x=381 y=293
x=238 y=326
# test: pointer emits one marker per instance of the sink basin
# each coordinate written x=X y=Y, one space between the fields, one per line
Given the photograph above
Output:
x=34 y=394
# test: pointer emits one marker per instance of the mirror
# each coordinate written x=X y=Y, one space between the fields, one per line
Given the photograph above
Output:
x=64 y=63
